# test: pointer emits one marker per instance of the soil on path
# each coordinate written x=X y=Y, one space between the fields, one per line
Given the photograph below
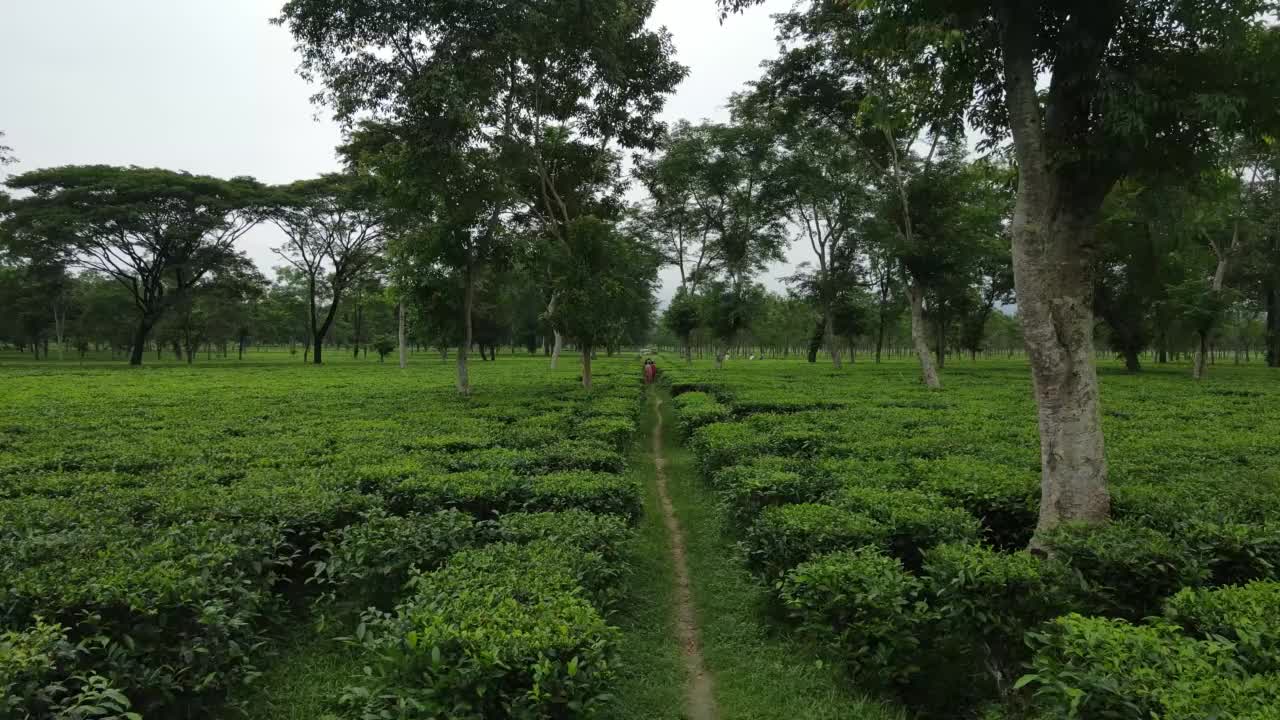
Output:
x=700 y=695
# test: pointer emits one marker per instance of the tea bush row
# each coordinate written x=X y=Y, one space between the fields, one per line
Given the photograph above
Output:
x=889 y=522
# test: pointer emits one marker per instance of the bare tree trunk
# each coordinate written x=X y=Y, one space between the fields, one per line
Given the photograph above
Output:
x=464 y=349
x=1198 y=364
x=833 y=345
x=586 y=366
x=140 y=341
x=404 y=355
x=1052 y=229
x=927 y=371
x=1273 y=327
x=556 y=348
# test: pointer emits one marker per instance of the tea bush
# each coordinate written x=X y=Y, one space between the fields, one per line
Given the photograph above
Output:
x=811 y=461
x=1247 y=616
x=863 y=607
x=168 y=525
x=506 y=631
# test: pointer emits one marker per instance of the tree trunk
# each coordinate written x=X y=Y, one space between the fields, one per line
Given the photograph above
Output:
x=1132 y=362
x=833 y=346
x=140 y=341
x=556 y=347
x=586 y=366
x=1052 y=230
x=468 y=303
x=927 y=372
x=403 y=347
x=1273 y=327
x=1198 y=365
x=880 y=339
x=815 y=340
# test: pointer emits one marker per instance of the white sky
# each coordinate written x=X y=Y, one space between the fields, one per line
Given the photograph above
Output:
x=209 y=86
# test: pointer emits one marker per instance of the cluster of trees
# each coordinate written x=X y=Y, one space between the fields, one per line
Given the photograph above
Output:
x=1125 y=187
x=1105 y=108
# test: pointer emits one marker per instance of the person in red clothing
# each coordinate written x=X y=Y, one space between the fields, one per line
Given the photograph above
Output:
x=650 y=372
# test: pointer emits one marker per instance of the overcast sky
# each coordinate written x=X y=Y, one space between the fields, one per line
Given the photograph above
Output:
x=209 y=86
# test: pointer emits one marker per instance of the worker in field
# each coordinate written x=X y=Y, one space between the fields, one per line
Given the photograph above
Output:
x=650 y=372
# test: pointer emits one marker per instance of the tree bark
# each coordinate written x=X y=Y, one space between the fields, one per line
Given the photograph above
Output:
x=833 y=345
x=586 y=366
x=927 y=371
x=556 y=348
x=1202 y=349
x=1052 y=230
x=403 y=348
x=464 y=349
x=1132 y=362
x=1273 y=327
x=140 y=340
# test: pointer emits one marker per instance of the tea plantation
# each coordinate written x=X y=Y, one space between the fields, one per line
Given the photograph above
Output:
x=890 y=524
x=161 y=530
x=190 y=542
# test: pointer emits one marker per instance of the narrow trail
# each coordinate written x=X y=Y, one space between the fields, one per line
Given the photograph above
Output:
x=699 y=695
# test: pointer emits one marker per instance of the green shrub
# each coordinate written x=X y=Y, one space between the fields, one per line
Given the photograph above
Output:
x=735 y=474
x=1127 y=570
x=858 y=472
x=193 y=600
x=784 y=536
x=1005 y=500
x=863 y=607
x=1247 y=616
x=579 y=529
x=584 y=455
x=720 y=445
x=1236 y=553
x=914 y=521
x=595 y=492
x=482 y=494
x=42 y=676
x=504 y=631
x=369 y=562
x=986 y=601
x=614 y=431
x=744 y=494
x=1105 y=668
x=695 y=409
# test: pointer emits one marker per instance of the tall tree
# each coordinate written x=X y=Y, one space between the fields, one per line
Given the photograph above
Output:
x=156 y=232
x=1130 y=85
x=334 y=229
x=459 y=89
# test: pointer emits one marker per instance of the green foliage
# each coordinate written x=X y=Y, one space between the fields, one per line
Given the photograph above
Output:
x=1004 y=500
x=503 y=631
x=695 y=409
x=1104 y=668
x=862 y=606
x=369 y=562
x=984 y=602
x=1127 y=571
x=784 y=536
x=39 y=678
x=1246 y=616
x=746 y=491
x=590 y=532
x=912 y=521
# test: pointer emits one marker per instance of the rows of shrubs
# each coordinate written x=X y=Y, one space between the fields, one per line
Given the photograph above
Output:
x=891 y=525
x=470 y=547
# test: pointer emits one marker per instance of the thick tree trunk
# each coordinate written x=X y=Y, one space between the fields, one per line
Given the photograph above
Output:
x=404 y=355
x=586 y=366
x=927 y=372
x=140 y=340
x=316 y=349
x=464 y=349
x=1052 y=230
x=1132 y=362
